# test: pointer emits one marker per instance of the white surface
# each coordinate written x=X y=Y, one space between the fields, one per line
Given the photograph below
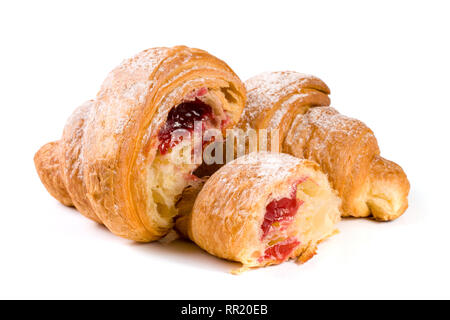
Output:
x=387 y=63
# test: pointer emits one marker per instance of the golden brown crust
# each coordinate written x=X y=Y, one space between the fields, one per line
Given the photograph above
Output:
x=307 y=254
x=71 y=157
x=348 y=152
x=388 y=196
x=345 y=148
x=110 y=142
x=229 y=210
x=47 y=162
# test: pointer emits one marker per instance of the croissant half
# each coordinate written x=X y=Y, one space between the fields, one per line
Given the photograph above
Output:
x=264 y=208
x=117 y=161
x=345 y=148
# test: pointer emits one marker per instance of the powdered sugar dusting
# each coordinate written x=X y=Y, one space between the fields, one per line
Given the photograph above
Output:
x=338 y=143
x=265 y=90
x=259 y=171
x=269 y=164
x=274 y=84
x=73 y=133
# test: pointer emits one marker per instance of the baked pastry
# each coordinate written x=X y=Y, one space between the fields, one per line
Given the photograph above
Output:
x=348 y=152
x=119 y=161
x=345 y=148
x=264 y=208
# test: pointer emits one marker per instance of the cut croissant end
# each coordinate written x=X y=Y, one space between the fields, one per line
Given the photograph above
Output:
x=172 y=170
x=263 y=209
x=312 y=219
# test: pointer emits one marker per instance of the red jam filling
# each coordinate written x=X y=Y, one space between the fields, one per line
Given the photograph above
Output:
x=281 y=211
x=182 y=116
x=280 y=251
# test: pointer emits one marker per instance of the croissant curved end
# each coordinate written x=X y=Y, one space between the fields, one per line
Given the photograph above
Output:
x=48 y=167
x=389 y=188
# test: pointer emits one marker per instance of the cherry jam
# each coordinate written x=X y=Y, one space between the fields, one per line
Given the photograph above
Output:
x=182 y=116
x=280 y=251
x=281 y=211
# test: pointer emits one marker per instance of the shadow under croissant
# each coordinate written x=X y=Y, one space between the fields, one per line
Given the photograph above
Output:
x=179 y=250
x=187 y=252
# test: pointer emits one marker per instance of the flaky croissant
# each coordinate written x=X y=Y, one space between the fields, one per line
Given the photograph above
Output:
x=345 y=148
x=117 y=161
x=264 y=208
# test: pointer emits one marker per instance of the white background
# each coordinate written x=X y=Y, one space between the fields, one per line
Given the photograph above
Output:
x=387 y=63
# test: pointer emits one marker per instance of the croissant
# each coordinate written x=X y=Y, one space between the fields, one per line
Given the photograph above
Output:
x=118 y=161
x=264 y=208
x=345 y=148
